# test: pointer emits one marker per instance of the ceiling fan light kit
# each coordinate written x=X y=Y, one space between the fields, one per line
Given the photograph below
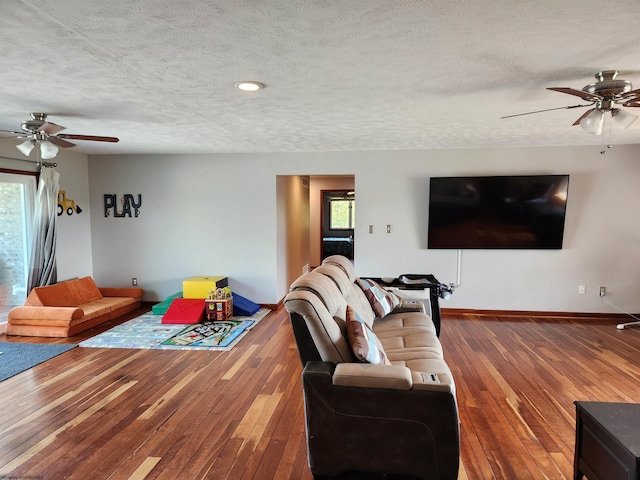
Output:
x=26 y=147
x=593 y=122
x=45 y=134
x=623 y=118
x=48 y=150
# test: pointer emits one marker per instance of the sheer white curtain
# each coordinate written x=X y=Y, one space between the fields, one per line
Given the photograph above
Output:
x=42 y=265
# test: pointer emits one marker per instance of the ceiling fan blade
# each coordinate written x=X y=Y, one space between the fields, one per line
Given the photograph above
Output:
x=631 y=95
x=589 y=97
x=61 y=143
x=50 y=128
x=577 y=122
x=93 y=138
x=11 y=131
x=546 y=110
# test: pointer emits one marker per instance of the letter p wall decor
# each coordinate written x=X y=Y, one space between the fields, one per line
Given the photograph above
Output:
x=128 y=204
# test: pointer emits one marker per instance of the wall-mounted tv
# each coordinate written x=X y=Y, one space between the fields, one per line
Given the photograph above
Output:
x=497 y=212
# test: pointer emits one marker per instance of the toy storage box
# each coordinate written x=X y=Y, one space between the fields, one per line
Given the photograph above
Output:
x=199 y=287
x=218 y=309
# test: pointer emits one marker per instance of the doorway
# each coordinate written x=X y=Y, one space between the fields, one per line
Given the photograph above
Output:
x=338 y=222
x=317 y=185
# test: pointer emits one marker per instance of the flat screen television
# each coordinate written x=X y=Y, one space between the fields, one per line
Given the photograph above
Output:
x=497 y=212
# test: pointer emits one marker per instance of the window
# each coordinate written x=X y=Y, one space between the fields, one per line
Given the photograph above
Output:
x=342 y=213
x=17 y=197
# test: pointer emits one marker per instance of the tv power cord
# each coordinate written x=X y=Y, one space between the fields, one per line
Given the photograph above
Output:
x=622 y=326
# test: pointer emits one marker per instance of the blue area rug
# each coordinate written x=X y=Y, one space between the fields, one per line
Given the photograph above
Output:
x=148 y=332
x=18 y=357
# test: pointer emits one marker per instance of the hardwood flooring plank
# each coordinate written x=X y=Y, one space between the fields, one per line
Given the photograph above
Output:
x=289 y=450
x=240 y=363
x=143 y=470
x=284 y=423
x=167 y=397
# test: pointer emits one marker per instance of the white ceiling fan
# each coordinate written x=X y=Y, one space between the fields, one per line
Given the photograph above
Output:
x=38 y=131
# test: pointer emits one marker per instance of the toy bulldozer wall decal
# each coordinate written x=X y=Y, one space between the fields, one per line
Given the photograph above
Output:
x=66 y=204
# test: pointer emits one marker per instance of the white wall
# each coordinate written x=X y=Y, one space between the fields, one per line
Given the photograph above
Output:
x=601 y=244
x=217 y=215
x=74 y=231
x=200 y=215
x=74 y=256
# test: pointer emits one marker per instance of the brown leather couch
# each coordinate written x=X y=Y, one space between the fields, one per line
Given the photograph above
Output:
x=70 y=307
x=368 y=418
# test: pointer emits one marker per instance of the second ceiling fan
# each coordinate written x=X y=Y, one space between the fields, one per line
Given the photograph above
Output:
x=608 y=94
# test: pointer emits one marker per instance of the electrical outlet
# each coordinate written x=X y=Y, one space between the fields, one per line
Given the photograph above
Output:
x=581 y=289
x=134 y=281
x=603 y=291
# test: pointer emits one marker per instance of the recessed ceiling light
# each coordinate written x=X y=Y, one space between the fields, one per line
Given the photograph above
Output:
x=249 y=86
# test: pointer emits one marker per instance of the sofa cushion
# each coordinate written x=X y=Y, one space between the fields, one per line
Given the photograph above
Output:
x=344 y=263
x=84 y=290
x=364 y=343
x=329 y=334
x=324 y=288
x=357 y=300
x=57 y=295
x=112 y=303
x=338 y=276
x=402 y=321
x=70 y=293
x=92 y=310
x=382 y=301
x=34 y=315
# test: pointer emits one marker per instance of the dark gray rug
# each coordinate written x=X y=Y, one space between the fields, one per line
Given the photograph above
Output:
x=18 y=357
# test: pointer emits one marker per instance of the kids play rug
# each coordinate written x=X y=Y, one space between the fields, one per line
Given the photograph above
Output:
x=18 y=357
x=148 y=332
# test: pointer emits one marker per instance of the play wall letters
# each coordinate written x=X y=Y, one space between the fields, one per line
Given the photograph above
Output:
x=128 y=204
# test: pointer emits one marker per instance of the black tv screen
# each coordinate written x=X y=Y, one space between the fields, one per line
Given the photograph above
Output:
x=499 y=212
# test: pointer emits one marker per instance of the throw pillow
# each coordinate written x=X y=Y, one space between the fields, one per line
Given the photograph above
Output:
x=382 y=301
x=364 y=343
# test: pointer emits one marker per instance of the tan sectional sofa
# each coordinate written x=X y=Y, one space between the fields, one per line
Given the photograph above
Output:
x=397 y=417
x=70 y=307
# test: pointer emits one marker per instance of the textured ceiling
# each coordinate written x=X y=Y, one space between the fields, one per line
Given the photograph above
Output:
x=340 y=75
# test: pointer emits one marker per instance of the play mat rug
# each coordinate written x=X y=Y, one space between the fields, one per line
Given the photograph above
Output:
x=148 y=332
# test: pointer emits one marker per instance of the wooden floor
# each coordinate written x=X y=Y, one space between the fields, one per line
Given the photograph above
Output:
x=120 y=414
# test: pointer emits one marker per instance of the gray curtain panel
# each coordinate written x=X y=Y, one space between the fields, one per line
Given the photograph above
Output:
x=42 y=265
